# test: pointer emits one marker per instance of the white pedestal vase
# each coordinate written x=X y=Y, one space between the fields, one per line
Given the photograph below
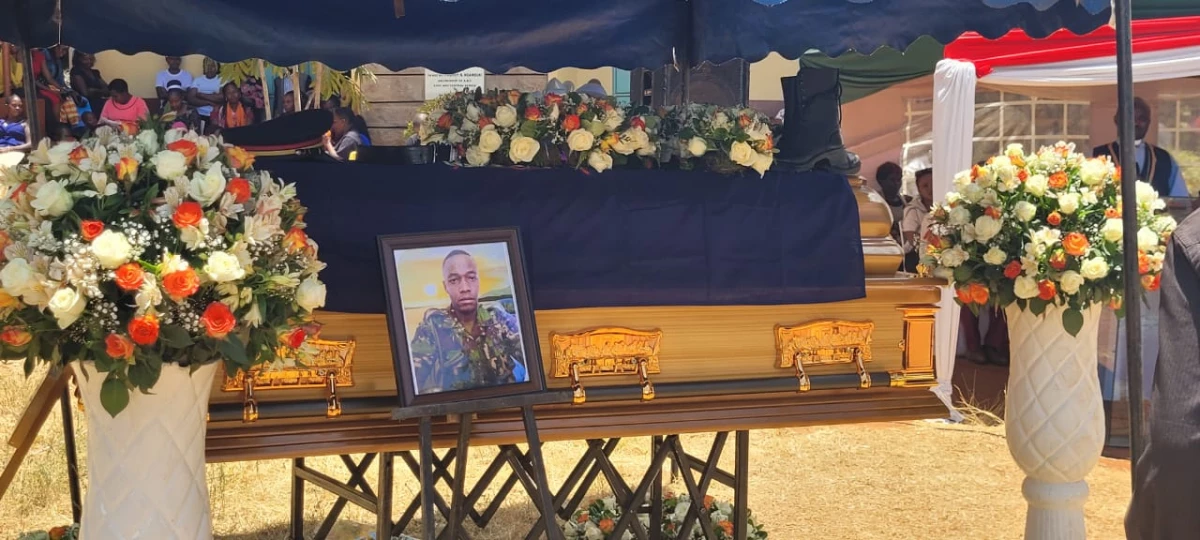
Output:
x=146 y=476
x=1054 y=419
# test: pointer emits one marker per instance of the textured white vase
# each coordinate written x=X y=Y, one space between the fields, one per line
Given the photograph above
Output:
x=1054 y=419
x=146 y=466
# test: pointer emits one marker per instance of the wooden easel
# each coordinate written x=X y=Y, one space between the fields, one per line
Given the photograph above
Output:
x=537 y=486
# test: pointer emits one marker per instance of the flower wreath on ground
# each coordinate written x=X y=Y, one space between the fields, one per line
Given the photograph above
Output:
x=1042 y=230
x=70 y=532
x=598 y=520
x=131 y=251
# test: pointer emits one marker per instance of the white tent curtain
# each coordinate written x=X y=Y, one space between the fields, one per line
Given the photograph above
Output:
x=1148 y=66
x=953 y=128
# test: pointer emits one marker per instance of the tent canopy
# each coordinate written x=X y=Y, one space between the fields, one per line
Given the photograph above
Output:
x=862 y=75
x=538 y=34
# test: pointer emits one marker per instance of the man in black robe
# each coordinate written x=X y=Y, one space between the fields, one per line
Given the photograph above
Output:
x=1167 y=505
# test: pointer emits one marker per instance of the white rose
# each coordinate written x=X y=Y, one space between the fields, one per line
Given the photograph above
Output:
x=1089 y=198
x=207 y=188
x=697 y=147
x=986 y=227
x=222 y=267
x=53 y=199
x=1037 y=184
x=476 y=157
x=600 y=161
x=1071 y=281
x=148 y=141
x=581 y=140
x=762 y=162
x=742 y=154
x=18 y=277
x=613 y=120
x=112 y=249
x=1093 y=172
x=1025 y=287
x=954 y=257
x=1015 y=148
x=1068 y=203
x=1165 y=224
x=490 y=140
x=67 y=306
x=995 y=256
x=972 y=193
x=310 y=294
x=681 y=510
x=960 y=216
x=639 y=137
x=169 y=164
x=1094 y=269
x=1113 y=230
x=962 y=179
x=1147 y=239
x=454 y=136
x=720 y=120
x=1025 y=210
x=953 y=197
x=472 y=112
x=523 y=149
x=649 y=150
x=1146 y=194
x=506 y=116
x=592 y=532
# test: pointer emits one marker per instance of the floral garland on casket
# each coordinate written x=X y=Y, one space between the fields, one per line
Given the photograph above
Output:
x=167 y=247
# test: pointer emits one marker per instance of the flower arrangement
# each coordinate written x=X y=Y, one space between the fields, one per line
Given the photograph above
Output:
x=597 y=521
x=1043 y=229
x=508 y=127
x=675 y=509
x=164 y=247
x=70 y=532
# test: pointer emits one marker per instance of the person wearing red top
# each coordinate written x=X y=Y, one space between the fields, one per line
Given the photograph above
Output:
x=124 y=110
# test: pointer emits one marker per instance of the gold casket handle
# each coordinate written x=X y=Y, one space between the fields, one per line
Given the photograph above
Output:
x=644 y=379
x=805 y=384
x=249 y=405
x=333 y=405
x=578 y=394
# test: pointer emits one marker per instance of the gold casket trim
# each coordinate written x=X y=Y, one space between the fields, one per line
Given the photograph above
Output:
x=610 y=350
x=333 y=360
x=823 y=342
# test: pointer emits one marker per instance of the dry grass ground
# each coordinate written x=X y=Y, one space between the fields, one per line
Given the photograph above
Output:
x=911 y=480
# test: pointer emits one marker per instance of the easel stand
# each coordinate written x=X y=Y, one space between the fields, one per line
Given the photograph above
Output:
x=535 y=484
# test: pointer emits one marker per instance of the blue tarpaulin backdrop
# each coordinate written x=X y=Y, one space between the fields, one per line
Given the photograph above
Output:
x=622 y=238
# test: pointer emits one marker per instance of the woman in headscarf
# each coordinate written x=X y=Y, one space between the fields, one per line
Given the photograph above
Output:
x=233 y=113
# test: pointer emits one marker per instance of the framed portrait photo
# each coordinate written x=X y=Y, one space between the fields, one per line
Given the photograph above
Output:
x=459 y=315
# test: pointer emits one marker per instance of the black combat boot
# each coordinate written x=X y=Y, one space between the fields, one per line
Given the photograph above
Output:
x=812 y=134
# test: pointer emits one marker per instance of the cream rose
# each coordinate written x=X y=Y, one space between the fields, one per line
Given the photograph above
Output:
x=581 y=140
x=1025 y=287
x=169 y=164
x=613 y=119
x=625 y=145
x=67 y=306
x=984 y=180
x=506 y=116
x=995 y=256
x=1025 y=210
x=112 y=249
x=18 y=277
x=222 y=267
x=960 y=216
x=600 y=161
x=472 y=112
x=1147 y=239
x=1093 y=269
x=697 y=147
x=53 y=199
x=742 y=154
x=523 y=149
x=148 y=142
x=490 y=140
x=310 y=294
x=1113 y=230
x=208 y=187
x=1071 y=281
x=986 y=228
x=1068 y=203
x=972 y=193
x=954 y=257
x=476 y=157
x=1146 y=194
x=1165 y=224
x=1037 y=184
x=762 y=162
x=1093 y=172
x=963 y=178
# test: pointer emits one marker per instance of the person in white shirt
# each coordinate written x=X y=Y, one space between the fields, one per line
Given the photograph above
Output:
x=205 y=92
x=172 y=73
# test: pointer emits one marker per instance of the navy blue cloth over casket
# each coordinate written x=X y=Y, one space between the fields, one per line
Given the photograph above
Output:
x=622 y=238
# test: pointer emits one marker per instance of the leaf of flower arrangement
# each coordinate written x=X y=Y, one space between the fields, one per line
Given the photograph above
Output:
x=1072 y=320
x=1038 y=306
x=234 y=351
x=146 y=371
x=114 y=395
x=962 y=274
x=175 y=336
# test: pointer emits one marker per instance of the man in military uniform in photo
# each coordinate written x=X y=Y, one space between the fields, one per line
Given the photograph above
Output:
x=466 y=346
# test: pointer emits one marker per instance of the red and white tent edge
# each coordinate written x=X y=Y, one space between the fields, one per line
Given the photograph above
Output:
x=1162 y=49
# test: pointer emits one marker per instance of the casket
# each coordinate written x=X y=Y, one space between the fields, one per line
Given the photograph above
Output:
x=625 y=371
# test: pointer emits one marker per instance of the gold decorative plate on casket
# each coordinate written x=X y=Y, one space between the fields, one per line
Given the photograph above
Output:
x=605 y=351
x=824 y=342
x=330 y=368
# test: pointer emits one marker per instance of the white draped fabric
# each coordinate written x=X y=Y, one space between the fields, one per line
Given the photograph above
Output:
x=1147 y=66
x=953 y=128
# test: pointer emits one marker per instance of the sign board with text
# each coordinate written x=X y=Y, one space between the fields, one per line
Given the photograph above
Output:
x=437 y=84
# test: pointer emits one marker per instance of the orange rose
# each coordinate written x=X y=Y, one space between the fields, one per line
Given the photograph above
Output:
x=78 y=155
x=57 y=533
x=726 y=526
x=240 y=188
x=5 y=241
x=185 y=147
x=744 y=121
x=90 y=229
x=1058 y=260
x=1143 y=263
x=582 y=518
x=979 y=293
x=964 y=295
x=15 y=336
x=768 y=143
x=606 y=525
x=127 y=169
x=1151 y=283
x=445 y=121
x=181 y=284
x=129 y=277
x=484 y=122
x=295 y=338
x=1112 y=213
x=708 y=501
x=570 y=122
x=514 y=97
x=1076 y=244
x=218 y=320
x=553 y=99
x=1022 y=175
x=118 y=347
x=1115 y=303
x=1058 y=180
x=1012 y=270
x=295 y=240
x=1046 y=290
x=532 y=112
x=1054 y=219
x=239 y=158
x=129 y=128
x=144 y=330
x=188 y=214
x=992 y=212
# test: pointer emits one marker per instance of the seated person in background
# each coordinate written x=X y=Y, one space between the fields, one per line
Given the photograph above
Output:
x=86 y=80
x=205 y=92
x=343 y=139
x=1154 y=165
x=233 y=113
x=890 y=177
x=14 y=130
x=333 y=103
x=359 y=125
x=172 y=73
x=289 y=104
x=916 y=221
x=90 y=122
x=176 y=110
x=124 y=110
x=64 y=134
x=415 y=138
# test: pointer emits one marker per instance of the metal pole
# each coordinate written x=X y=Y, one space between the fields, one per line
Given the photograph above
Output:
x=72 y=456
x=33 y=110
x=1133 y=288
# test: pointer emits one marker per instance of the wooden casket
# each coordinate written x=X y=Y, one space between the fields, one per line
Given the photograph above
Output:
x=629 y=371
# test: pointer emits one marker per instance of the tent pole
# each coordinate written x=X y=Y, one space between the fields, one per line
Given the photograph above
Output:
x=33 y=108
x=1133 y=288
x=5 y=70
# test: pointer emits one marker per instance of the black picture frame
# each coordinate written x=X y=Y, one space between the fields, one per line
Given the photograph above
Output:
x=397 y=327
